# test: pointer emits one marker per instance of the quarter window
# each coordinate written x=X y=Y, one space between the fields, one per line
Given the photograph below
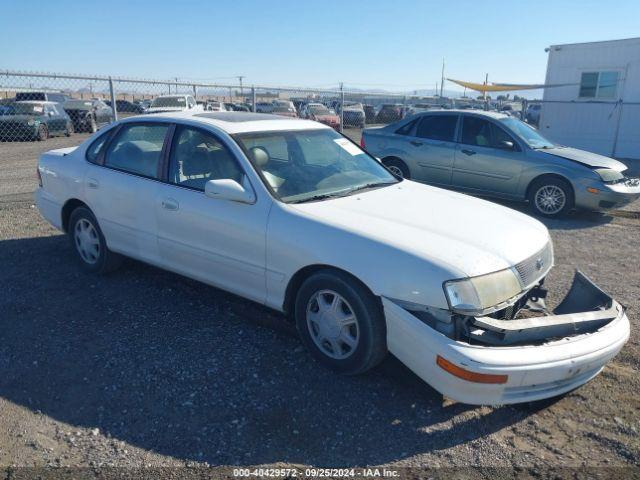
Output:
x=137 y=149
x=598 y=84
x=437 y=127
x=93 y=152
x=407 y=128
x=197 y=157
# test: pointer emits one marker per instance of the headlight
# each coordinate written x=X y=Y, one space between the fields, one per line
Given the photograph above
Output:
x=481 y=295
x=31 y=123
x=609 y=176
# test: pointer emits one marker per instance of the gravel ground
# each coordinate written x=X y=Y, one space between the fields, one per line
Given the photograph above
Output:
x=147 y=368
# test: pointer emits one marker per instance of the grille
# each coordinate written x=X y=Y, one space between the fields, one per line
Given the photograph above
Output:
x=536 y=266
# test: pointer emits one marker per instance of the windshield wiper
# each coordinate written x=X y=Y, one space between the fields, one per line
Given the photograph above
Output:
x=322 y=196
x=367 y=186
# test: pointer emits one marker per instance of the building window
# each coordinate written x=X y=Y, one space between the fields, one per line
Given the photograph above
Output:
x=598 y=84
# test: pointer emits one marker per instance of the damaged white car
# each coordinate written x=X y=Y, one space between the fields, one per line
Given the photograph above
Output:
x=291 y=214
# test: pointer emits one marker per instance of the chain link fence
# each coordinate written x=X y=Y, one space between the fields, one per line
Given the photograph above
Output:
x=35 y=106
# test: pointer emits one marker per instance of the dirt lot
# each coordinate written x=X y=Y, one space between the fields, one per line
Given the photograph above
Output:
x=147 y=368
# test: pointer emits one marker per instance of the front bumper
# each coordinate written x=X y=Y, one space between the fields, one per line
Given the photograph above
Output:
x=535 y=371
x=608 y=196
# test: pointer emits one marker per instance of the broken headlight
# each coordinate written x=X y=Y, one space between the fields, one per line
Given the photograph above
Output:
x=483 y=294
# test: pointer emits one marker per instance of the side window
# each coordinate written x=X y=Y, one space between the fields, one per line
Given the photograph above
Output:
x=500 y=136
x=437 y=127
x=197 y=157
x=476 y=131
x=93 y=152
x=407 y=128
x=137 y=149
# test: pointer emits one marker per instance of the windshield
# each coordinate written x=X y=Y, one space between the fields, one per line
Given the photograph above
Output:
x=25 y=109
x=319 y=110
x=310 y=165
x=169 y=102
x=78 y=104
x=527 y=133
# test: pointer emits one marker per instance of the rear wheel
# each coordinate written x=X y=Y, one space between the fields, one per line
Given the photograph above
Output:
x=341 y=322
x=42 y=133
x=89 y=243
x=551 y=197
x=69 y=129
x=397 y=167
x=93 y=126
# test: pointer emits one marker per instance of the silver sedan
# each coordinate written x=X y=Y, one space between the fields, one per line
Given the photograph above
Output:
x=492 y=154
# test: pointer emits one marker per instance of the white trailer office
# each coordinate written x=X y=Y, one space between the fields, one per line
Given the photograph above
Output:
x=592 y=100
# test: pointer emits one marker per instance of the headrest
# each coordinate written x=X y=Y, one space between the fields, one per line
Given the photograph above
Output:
x=260 y=156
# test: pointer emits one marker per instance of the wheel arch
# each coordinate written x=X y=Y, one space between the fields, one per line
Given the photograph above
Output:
x=68 y=208
x=298 y=278
x=551 y=175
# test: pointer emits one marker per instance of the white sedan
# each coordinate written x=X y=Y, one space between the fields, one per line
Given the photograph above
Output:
x=291 y=214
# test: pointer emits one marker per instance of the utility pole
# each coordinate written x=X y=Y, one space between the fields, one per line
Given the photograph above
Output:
x=442 y=79
x=240 y=77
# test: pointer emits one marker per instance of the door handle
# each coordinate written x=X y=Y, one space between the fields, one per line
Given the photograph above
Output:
x=415 y=143
x=468 y=152
x=170 y=204
x=93 y=183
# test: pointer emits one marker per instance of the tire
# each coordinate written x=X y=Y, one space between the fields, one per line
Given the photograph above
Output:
x=69 y=131
x=551 y=197
x=93 y=126
x=84 y=233
x=397 y=167
x=351 y=341
x=42 y=134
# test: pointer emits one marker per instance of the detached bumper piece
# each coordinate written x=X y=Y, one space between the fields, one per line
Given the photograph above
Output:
x=585 y=309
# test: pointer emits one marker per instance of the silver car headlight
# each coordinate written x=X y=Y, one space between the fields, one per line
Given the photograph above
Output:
x=483 y=294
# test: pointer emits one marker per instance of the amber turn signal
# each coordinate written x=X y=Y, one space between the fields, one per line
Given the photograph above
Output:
x=460 y=372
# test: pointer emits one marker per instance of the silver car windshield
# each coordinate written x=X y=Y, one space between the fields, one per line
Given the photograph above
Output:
x=527 y=133
x=309 y=165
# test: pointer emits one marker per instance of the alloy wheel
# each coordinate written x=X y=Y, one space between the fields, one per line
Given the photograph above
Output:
x=550 y=199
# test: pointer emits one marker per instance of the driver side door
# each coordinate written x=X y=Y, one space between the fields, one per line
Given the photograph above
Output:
x=219 y=242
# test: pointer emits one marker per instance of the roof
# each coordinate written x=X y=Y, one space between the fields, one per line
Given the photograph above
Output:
x=238 y=122
x=466 y=111
x=620 y=40
x=41 y=102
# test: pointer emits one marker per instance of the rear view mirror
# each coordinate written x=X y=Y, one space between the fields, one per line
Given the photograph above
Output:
x=227 y=189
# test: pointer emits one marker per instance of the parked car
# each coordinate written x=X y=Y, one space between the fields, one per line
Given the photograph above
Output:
x=532 y=115
x=389 y=112
x=291 y=214
x=215 y=106
x=125 y=106
x=57 y=97
x=353 y=114
x=88 y=115
x=34 y=121
x=264 y=107
x=144 y=104
x=320 y=113
x=497 y=155
x=173 y=103
x=369 y=114
x=285 y=111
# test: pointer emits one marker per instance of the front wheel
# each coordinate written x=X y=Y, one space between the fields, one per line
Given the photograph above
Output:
x=551 y=197
x=42 y=133
x=89 y=243
x=341 y=322
x=397 y=167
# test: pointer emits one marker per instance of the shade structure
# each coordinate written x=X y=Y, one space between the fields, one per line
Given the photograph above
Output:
x=496 y=87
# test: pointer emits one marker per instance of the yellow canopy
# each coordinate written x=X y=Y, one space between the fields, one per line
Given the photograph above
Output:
x=494 y=87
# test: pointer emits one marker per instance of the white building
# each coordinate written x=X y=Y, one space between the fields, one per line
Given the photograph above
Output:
x=597 y=106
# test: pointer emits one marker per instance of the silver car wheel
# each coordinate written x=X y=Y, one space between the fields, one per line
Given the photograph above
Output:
x=550 y=199
x=332 y=324
x=87 y=241
x=397 y=171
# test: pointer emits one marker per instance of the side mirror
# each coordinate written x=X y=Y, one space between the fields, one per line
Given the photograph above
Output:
x=507 y=145
x=50 y=114
x=227 y=189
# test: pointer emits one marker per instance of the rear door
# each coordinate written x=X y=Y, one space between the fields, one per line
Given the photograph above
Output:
x=122 y=187
x=488 y=159
x=431 y=148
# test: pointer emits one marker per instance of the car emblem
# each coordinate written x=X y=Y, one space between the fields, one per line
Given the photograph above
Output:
x=539 y=264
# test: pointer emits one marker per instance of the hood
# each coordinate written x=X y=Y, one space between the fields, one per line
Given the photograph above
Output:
x=586 y=158
x=327 y=118
x=449 y=229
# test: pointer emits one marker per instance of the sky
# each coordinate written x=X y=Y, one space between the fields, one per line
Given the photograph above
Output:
x=396 y=45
